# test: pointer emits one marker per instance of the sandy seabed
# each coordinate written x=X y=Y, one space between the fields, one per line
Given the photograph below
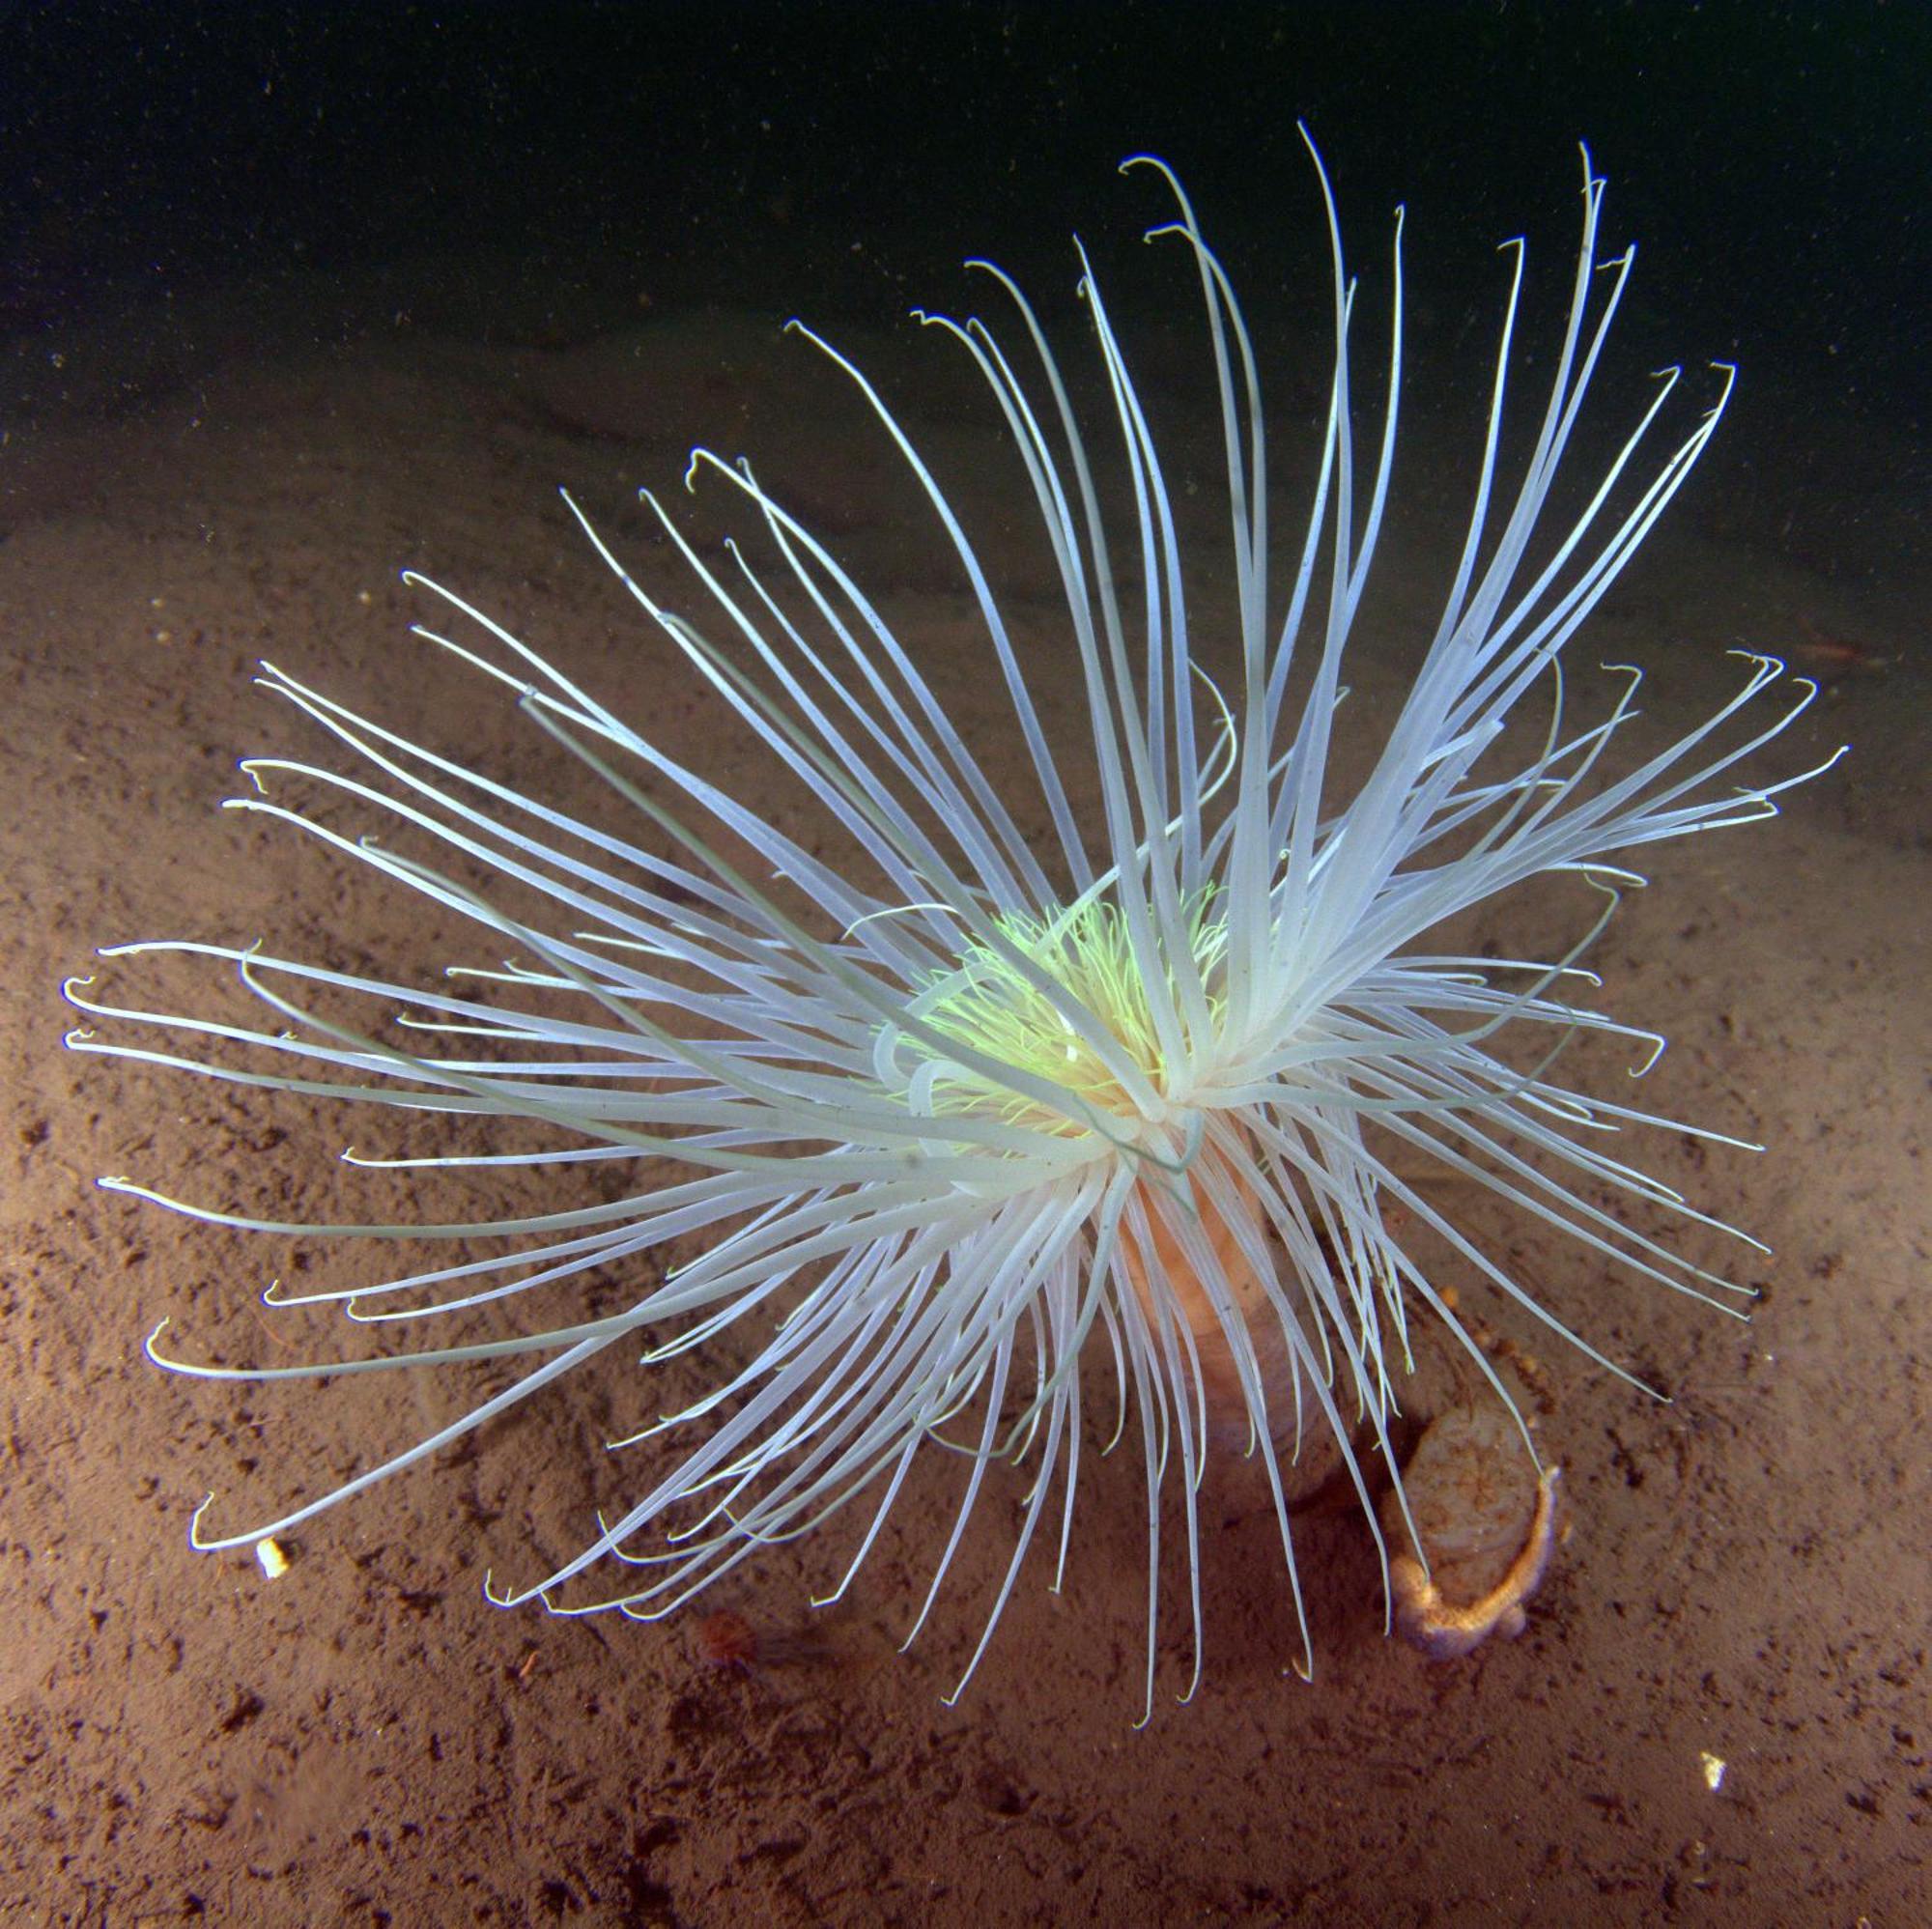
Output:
x=1743 y=1576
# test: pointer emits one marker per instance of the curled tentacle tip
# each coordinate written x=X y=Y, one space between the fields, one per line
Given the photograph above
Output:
x=194 y=1539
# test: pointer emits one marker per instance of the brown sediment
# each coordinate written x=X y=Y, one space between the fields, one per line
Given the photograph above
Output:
x=733 y=1643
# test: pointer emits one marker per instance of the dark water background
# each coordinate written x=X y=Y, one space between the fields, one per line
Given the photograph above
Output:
x=1774 y=158
x=180 y=183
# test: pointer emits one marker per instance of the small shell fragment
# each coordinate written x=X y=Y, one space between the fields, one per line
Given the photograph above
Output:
x=1488 y=1523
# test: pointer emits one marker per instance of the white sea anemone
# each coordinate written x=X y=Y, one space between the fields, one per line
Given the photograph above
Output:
x=984 y=1115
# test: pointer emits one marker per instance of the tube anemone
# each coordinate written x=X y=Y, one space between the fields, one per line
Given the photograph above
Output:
x=978 y=1117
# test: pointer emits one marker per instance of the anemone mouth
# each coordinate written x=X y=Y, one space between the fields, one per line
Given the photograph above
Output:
x=1009 y=1001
